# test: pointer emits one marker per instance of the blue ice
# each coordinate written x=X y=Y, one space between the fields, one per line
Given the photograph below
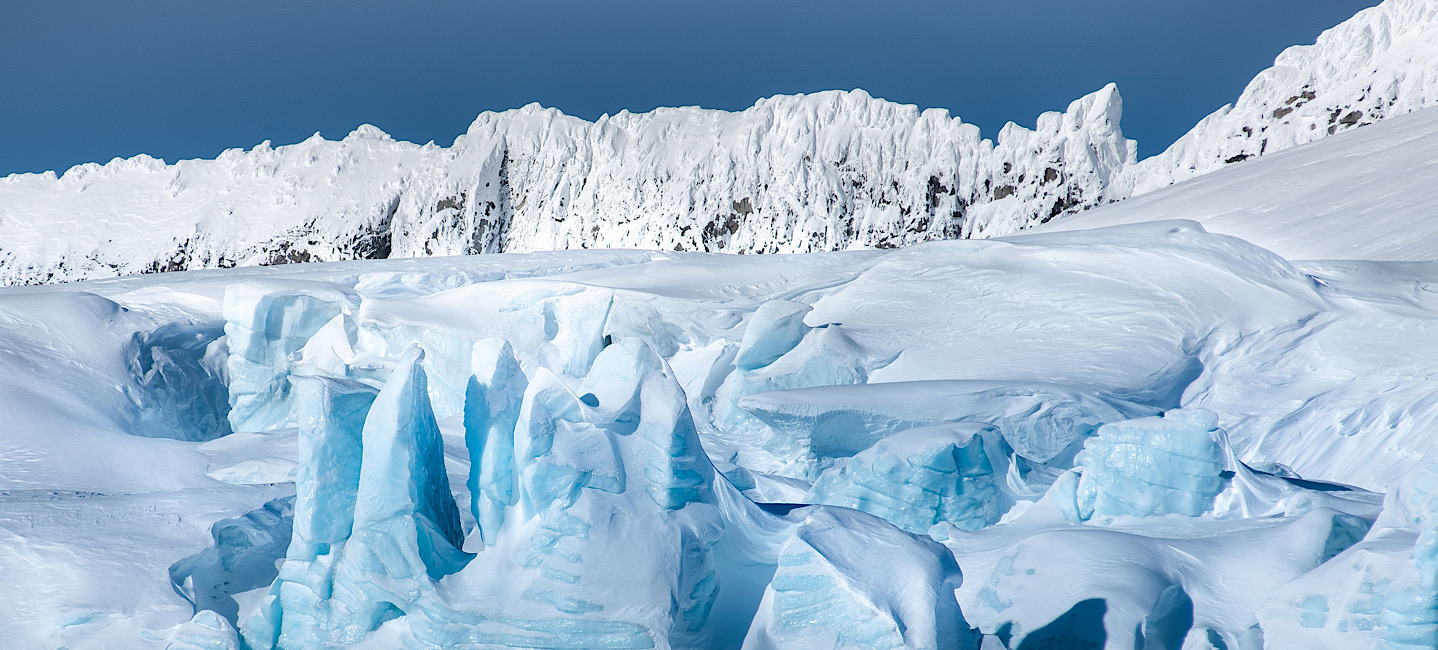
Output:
x=917 y=478
x=1171 y=464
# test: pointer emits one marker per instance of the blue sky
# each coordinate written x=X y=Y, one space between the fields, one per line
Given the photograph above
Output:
x=88 y=81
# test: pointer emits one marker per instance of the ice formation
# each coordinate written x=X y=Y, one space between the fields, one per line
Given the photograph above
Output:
x=375 y=523
x=1039 y=422
x=1151 y=466
x=527 y=451
x=798 y=357
x=920 y=477
x=1148 y=435
x=491 y=408
x=827 y=594
x=263 y=327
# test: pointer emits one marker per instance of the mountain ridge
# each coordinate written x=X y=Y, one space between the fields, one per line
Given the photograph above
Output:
x=832 y=170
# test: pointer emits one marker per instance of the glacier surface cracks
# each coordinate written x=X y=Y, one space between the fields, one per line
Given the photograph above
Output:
x=626 y=457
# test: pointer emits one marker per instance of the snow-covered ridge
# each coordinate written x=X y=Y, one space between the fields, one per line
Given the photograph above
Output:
x=1380 y=63
x=826 y=171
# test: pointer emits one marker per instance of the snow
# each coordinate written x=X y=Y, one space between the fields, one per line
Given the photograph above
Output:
x=827 y=171
x=1381 y=63
x=553 y=450
x=1211 y=432
x=1365 y=194
x=794 y=173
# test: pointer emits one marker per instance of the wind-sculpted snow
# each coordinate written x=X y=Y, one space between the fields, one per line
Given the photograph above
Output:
x=957 y=444
x=1039 y=422
x=826 y=593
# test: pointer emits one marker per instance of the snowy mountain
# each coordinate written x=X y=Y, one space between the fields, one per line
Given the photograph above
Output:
x=1381 y=63
x=827 y=171
x=1206 y=433
x=1368 y=194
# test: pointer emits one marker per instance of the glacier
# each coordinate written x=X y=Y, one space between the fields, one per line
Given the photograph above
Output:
x=1118 y=429
x=642 y=449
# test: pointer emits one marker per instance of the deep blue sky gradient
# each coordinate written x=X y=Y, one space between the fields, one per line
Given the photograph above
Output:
x=88 y=81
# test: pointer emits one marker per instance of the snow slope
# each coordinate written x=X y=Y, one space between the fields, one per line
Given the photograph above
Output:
x=544 y=450
x=1369 y=194
x=1381 y=63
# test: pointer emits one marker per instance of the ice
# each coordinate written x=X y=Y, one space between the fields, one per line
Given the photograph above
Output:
x=242 y=559
x=677 y=471
x=920 y=477
x=574 y=325
x=1150 y=466
x=1038 y=421
x=827 y=592
x=332 y=418
x=206 y=631
x=1410 y=606
x=264 y=324
x=612 y=525
x=350 y=570
x=774 y=329
x=491 y=409
x=180 y=381
x=825 y=357
x=403 y=500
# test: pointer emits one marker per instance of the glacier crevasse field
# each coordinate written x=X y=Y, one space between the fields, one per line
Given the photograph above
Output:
x=1138 y=436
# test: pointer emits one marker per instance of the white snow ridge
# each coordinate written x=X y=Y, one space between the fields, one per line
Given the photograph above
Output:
x=1121 y=430
x=828 y=171
x=801 y=173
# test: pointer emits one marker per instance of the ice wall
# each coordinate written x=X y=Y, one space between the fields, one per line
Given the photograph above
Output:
x=919 y=477
x=264 y=324
x=492 y=401
x=1149 y=466
x=828 y=593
